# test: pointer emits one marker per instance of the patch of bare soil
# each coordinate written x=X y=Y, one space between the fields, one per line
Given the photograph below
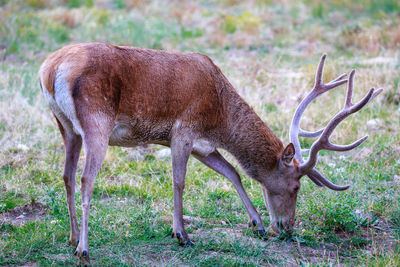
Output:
x=381 y=238
x=22 y=214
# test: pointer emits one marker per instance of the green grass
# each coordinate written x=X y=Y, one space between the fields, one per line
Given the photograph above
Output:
x=269 y=52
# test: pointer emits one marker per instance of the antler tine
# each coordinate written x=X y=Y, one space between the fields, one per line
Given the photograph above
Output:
x=338 y=78
x=316 y=175
x=375 y=94
x=350 y=93
x=320 y=70
x=334 y=84
x=350 y=89
x=356 y=107
x=334 y=147
x=319 y=75
x=315 y=180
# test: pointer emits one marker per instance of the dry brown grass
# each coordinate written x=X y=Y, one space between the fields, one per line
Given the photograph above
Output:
x=68 y=17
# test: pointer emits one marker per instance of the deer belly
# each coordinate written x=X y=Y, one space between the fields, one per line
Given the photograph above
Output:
x=139 y=133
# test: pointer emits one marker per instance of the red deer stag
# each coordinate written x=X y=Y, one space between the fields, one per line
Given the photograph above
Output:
x=104 y=95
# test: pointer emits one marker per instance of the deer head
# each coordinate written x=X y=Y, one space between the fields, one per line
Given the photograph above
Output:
x=280 y=194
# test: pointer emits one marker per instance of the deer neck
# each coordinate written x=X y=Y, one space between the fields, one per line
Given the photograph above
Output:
x=249 y=140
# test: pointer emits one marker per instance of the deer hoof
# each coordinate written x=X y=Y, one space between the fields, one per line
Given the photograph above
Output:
x=83 y=259
x=183 y=239
x=260 y=233
x=189 y=244
x=177 y=235
x=186 y=243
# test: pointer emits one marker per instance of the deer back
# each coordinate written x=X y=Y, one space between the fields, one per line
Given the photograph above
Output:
x=133 y=86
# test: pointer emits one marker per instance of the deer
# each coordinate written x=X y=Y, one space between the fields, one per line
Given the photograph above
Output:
x=105 y=95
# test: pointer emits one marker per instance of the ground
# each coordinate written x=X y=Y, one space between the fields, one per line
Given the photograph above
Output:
x=269 y=51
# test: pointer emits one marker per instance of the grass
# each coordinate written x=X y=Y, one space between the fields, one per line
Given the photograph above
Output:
x=269 y=53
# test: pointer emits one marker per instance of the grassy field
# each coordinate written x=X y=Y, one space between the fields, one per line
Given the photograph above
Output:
x=269 y=51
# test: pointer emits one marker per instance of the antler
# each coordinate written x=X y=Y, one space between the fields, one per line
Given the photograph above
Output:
x=307 y=167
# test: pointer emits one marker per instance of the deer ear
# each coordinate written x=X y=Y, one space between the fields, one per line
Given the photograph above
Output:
x=287 y=155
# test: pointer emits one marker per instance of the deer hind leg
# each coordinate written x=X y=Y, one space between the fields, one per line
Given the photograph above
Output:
x=219 y=164
x=73 y=145
x=95 y=148
x=180 y=152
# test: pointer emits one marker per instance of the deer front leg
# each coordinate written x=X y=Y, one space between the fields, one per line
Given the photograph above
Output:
x=73 y=145
x=180 y=152
x=96 y=147
x=219 y=164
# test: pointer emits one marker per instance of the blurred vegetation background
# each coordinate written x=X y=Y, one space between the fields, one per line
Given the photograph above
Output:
x=29 y=27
